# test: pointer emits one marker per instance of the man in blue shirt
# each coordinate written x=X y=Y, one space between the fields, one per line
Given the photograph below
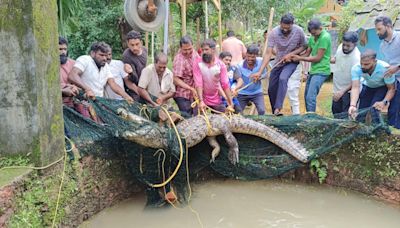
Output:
x=235 y=80
x=390 y=47
x=377 y=90
x=250 y=65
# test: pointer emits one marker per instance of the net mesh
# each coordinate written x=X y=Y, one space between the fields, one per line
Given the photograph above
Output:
x=258 y=158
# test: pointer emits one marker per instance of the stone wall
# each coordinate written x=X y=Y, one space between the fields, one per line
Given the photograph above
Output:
x=31 y=119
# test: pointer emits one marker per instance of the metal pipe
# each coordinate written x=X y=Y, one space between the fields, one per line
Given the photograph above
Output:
x=165 y=50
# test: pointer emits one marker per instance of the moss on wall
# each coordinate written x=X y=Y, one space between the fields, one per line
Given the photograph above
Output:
x=32 y=123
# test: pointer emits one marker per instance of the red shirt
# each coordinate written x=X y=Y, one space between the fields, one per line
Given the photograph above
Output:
x=183 y=68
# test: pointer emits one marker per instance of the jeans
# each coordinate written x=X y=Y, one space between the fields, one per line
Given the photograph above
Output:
x=185 y=107
x=341 y=106
x=368 y=97
x=278 y=84
x=394 y=109
x=257 y=99
x=314 y=83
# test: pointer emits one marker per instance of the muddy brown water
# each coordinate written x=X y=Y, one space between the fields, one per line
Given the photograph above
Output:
x=221 y=204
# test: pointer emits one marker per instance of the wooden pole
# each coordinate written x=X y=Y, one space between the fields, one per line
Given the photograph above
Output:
x=146 y=40
x=166 y=27
x=271 y=18
x=265 y=84
x=206 y=17
x=220 y=24
x=183 y=13
x=198 y=31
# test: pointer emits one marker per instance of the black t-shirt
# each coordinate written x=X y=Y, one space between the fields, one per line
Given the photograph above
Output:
x=137 y=62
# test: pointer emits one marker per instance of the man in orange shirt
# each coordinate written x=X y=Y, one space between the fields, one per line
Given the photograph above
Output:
x=235 y=47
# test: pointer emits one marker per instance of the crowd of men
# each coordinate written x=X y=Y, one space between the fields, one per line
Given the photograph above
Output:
x=234 y=78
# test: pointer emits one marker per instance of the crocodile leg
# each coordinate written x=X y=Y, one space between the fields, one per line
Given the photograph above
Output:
x=212 y=140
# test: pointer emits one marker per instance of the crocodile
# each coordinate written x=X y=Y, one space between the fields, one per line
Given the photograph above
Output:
x=196 y=129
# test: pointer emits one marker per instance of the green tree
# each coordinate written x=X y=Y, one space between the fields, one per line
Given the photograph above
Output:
x=67 y=9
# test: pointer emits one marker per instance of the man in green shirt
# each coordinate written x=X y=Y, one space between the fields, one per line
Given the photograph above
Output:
x=319 y=54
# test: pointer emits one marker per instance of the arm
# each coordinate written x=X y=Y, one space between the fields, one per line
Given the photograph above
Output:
x=340 y=94
x=179 y=82
x=312 y=59
x=222 y=93
x=288 y=57
x=118 y=90
x=264 y=64
x=69 y=90
x=198 y=82
x=225 y=85
x=75 y=77
x=132 y=86
x=146 y=96
x=164 y=98
x=380 y=105
x=355 y=93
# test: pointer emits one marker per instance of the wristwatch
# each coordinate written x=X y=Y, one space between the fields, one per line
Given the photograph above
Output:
x=386 y=102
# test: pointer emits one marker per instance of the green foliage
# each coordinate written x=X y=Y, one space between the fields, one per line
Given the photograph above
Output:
x=347 y=16
x=36 y=206
x=320 y=167
x=377 y=157
x=98 y=21
x=67 y=9
x=308 y=11
x=14 y=161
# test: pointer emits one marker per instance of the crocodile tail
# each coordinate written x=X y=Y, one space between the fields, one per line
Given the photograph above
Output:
x=272 y=134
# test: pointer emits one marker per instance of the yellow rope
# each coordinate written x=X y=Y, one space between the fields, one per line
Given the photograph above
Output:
x=62 y=182
x=145 y=111
x=180 y=154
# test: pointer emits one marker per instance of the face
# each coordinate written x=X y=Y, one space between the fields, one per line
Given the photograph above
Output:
x=208 y=54
x=100 y=58
x=286 y=28
x=348 y=47
x=135 y=45
x=381 y=30
x=316 y=32
x=160 y=66
x=187 y=50
x=62 y=49
x=227 y=60
x=63 y=53
x=251 y=59
x=265 y=36
x=367 y=65
x=109 y=57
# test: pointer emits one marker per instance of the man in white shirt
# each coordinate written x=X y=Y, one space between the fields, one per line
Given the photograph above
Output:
x=91 y=73
x=157 y=80
x=117 y=70
x=346 y=57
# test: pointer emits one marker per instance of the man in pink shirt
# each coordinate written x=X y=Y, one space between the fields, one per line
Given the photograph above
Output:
x=209 y=75
x=68 y=90
x=235 y=47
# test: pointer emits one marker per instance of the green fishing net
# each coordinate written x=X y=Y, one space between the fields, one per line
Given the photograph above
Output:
x=258 y=158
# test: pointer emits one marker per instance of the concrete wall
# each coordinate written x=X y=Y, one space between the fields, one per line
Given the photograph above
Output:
x=30 y=98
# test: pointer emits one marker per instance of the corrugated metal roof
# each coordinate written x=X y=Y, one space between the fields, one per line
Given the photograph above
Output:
x=366 y=16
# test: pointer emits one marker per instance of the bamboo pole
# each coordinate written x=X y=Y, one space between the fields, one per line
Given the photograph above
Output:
x=265 y=85
x=220 y=24
x=206 y=17
x=271 y=17
x=166 y=27
x=198 y=30
x=146 y=40
x=183 y=13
